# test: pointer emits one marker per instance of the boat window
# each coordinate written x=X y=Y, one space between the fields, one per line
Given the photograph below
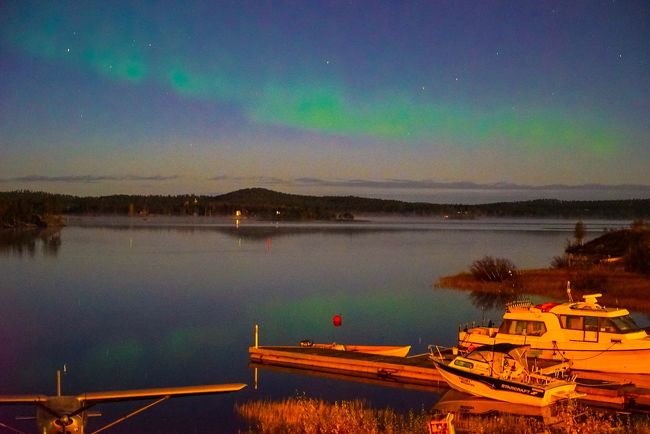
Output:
x=505 y=327
x=535 y=328
x=591 y=324
x=607 y=326
x=625 y=324
x=518 y=327
x=572 y=322
x=463 y=363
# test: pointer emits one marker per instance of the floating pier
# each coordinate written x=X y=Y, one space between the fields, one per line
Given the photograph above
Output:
x=418 y=370
x=414 y=370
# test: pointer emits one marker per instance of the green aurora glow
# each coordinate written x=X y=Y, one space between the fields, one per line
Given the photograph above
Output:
x=117 y=47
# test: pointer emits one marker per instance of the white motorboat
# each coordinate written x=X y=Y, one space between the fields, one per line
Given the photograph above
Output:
x=501 y=372
x=591 y=336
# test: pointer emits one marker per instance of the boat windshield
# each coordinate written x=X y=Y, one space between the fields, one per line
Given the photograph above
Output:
x=625 y=324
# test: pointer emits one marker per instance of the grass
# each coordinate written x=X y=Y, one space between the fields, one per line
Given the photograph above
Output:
x=311 y=416
x=619 y=288
x=302 y=414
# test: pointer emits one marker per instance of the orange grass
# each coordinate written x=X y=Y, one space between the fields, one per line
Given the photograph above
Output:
x=311 y=416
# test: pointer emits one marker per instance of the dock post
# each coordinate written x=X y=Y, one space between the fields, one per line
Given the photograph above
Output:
x=257 y=336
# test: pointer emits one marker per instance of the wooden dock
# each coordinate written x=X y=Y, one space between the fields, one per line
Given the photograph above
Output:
x=420 y=372
x=413 y=370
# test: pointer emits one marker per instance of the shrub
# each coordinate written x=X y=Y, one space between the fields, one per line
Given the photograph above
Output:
x=491 y=269
x=560 y=262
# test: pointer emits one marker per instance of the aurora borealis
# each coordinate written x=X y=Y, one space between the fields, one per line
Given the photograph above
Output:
x=322 y=97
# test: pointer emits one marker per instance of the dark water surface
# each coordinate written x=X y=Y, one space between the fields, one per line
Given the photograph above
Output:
x=128 y=303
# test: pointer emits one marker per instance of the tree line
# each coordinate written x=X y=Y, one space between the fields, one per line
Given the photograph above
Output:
x=27 y=207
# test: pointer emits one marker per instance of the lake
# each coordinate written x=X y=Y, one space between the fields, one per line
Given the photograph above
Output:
x=133 y=303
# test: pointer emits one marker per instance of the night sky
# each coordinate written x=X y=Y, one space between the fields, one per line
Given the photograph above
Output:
x=414 y=100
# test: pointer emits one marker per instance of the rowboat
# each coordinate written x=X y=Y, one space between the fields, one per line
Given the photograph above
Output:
x=501 y=372
x=381 y=350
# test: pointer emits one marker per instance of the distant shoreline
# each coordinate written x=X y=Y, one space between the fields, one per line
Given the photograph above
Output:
x=268 y=205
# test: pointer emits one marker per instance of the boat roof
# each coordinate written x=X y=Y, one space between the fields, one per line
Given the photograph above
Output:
x=589 y=307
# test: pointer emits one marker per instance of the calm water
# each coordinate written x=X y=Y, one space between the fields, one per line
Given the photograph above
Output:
x=167 y=302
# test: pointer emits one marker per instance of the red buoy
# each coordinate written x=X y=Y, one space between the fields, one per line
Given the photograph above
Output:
x=337 y=320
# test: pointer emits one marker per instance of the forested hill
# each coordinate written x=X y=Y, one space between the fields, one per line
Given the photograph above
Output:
x=25 y=207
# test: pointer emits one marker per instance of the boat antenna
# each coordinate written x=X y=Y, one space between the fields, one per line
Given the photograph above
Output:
x=568 y=291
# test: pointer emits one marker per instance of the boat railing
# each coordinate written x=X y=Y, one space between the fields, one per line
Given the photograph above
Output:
x=438 y=352
x=543 y=379
x=475 y=324
x=518 y=305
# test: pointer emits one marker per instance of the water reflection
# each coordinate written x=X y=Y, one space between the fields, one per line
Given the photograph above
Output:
x=474 y=414
x=30 y=241
x=466 y=406
x=256 y=232
x=487 y=301
x=356 y=377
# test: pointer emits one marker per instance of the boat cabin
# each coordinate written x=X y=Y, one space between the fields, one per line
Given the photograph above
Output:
x=499 y=360
x=584 y=320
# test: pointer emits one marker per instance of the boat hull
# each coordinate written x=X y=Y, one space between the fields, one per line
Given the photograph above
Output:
x=381 y=350
x=614 y=357
x=504 y=390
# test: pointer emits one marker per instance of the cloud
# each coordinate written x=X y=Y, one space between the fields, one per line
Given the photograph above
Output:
x=87 y=178
x=408 y=184
x=267 y=181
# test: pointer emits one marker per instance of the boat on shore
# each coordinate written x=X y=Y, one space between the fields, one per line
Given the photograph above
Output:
x=501 y=372
x=591 y=336
x=382 y=350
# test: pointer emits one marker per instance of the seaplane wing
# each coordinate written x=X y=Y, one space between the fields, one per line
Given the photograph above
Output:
x=136 y=394
x=22 y=399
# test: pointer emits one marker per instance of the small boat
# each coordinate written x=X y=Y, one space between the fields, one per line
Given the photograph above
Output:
x=381 y=350
x=501 y=372
x=591 y=336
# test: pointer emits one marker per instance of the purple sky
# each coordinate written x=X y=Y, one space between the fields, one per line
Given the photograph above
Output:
x=418 y=100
